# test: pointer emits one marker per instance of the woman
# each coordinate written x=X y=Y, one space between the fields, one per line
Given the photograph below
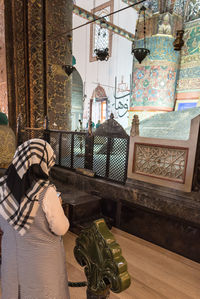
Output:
x=32 y=221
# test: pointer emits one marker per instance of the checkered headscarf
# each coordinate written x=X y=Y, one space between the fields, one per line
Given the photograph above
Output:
x=23 y=182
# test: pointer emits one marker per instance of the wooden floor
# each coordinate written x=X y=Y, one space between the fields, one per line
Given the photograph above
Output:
x=156 y=273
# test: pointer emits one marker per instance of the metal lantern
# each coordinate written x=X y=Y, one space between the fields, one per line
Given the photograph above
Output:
x=141 y=53
x=68 y=69
x=102 y=54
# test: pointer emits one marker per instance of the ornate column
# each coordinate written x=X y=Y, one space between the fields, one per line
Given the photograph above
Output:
x=15 y=32
x=59 y=20
x=154 y=80
x=36 y=52
x=35 y=55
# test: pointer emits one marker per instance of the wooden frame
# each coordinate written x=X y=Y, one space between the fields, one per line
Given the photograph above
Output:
x=190 y=145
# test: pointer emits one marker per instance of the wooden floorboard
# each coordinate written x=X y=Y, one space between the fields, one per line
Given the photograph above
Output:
x=156 y=273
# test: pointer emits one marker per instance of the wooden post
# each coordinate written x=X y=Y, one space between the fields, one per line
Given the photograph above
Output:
x=135 y=126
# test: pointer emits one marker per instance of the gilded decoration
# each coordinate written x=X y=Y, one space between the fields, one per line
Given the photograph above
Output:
x=16 y=63
x=7 y=146
x=161 y=162
x=59 y=20
x=36 y=46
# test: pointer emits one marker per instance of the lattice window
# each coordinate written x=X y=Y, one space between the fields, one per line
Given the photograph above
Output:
x=79 y=151
x=161 y=162
x=66 y=150
x=54 y=142
x=101 y=38
x=101 y=35
x=118 y=159
x=110 y=158
x=100 y=155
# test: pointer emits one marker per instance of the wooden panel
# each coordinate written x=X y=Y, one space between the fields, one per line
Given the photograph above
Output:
x=190 y=145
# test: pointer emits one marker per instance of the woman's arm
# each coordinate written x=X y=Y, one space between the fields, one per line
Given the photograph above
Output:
x=58 y=222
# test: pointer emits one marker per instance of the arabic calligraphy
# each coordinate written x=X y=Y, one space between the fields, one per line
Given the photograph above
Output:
x=122 y=102
x=121 y=106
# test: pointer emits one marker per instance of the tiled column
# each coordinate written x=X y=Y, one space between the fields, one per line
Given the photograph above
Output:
x=155 y=79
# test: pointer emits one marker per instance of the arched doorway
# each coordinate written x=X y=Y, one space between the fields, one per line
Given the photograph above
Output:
x=100 y=105
x=77 y=100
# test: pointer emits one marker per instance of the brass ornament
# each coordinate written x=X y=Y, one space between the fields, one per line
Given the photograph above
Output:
x=178 y=42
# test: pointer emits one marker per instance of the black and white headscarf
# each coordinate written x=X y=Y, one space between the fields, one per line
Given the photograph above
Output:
x=23 y=182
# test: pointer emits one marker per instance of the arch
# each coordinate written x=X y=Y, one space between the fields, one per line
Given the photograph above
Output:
x=100 y=104
x=76 y=100
x=99 y=93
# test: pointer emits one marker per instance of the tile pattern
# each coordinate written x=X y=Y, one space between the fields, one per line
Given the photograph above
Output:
x=154 y=79
x=189 y=77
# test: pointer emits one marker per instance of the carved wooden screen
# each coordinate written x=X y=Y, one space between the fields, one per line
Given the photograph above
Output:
x=163 y=162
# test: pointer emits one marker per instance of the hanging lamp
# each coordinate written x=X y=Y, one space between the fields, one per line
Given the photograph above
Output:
x=141 y=53
x=101 y=53
x=69 y=68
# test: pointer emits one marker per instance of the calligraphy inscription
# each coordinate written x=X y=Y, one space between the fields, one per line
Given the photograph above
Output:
x=121 y=105
x=160 y=161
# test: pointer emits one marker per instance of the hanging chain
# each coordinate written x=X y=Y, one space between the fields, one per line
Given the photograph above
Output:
x=144 y=27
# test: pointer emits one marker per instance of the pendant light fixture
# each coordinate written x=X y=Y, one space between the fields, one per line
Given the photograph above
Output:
x=101 y=53
x=141 y=53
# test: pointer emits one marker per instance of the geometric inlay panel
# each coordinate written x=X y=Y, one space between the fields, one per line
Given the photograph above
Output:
x=164 y=162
